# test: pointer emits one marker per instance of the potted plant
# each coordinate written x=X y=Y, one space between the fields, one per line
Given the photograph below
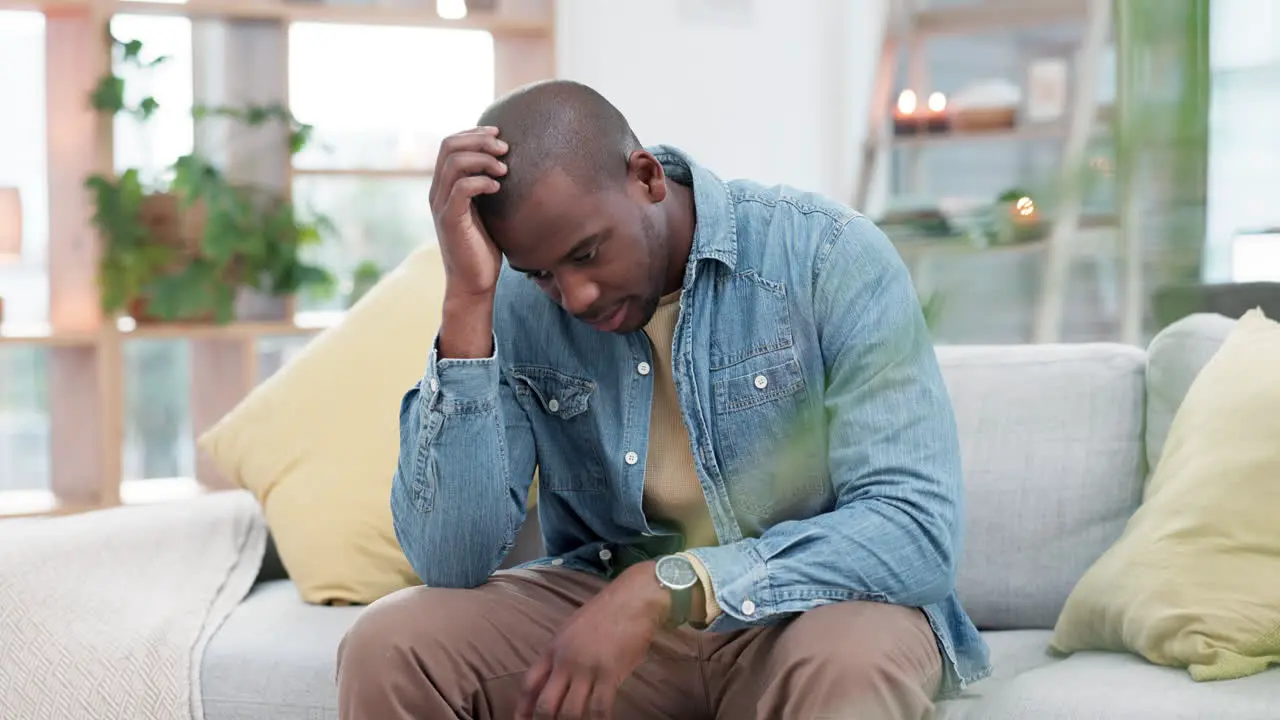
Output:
x=189 y=247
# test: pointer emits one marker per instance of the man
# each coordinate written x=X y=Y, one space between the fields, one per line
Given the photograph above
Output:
x=748 y=468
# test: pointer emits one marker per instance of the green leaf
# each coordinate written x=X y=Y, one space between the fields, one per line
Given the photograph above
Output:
x=147 y=108
x=108 y=95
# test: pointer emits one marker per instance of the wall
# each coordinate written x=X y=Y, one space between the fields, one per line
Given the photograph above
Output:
x=774 y=91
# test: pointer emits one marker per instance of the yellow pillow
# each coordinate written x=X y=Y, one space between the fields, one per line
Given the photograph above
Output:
x=1194 y=580
x=317 y=442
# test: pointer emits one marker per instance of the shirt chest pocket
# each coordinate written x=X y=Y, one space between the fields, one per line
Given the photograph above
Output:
x=564 y=426
x=766 y=438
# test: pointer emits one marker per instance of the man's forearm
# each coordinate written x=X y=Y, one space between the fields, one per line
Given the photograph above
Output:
x=876 y=549
x=466 y=327
x=466 y=463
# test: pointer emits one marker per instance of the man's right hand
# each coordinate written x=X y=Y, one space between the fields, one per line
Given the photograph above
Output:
x=467 y=166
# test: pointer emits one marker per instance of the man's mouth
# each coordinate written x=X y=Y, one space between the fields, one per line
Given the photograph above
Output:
x=611 y=320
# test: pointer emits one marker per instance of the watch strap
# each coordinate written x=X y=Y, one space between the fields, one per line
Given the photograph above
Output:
x=681 y=605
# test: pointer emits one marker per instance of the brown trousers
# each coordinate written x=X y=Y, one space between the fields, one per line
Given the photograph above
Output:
x=431 y=654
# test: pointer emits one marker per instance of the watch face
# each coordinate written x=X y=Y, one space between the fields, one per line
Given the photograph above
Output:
x=676 y=572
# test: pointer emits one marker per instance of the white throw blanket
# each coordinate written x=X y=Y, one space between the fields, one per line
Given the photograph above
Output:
x=105 y=615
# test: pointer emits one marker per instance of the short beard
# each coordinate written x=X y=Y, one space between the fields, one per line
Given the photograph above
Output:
x=658 y=261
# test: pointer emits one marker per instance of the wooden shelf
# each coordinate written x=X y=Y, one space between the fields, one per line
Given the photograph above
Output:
x=1045 y=131
x=42 y=335
x=15 y=504
x=50 y=7
x=989 y=17
x=303 y=324
x=1018 y=133
x=370 y=13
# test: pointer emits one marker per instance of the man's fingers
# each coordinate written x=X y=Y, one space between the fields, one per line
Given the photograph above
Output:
x=461 y=165
x=534 y=680
x=547 y=705
x=484 y=140
x=600 y=704
x=576 y=698
x=467 y=188
x=470 y=162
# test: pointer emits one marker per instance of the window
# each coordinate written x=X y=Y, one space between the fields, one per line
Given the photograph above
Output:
x=1245 y=98
x=24 y=416
x=25 y=285
x=155 y=143
x=380 y=107
x=157 y=372
x=1255 y=257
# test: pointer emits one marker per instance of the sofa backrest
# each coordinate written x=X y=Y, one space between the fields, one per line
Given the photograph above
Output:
x=1058 y=441
x=1052 y=445
x=1174 y=358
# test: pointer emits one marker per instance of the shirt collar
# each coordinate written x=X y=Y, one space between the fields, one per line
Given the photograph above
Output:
x=715 y=231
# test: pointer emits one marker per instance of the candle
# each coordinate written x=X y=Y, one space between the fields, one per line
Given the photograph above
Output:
x=937 y=119
x=905 y=120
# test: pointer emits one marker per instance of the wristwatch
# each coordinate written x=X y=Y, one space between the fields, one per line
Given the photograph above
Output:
x=676 y=573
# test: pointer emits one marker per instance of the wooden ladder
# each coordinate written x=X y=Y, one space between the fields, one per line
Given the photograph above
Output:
x=907 y=22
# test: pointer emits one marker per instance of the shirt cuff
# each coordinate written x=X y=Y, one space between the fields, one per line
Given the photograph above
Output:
x=461 y=384
x=712 y=608
x=741 y=583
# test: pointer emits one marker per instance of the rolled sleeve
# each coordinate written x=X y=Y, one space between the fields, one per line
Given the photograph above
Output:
x=740 y=583
x=462 y=385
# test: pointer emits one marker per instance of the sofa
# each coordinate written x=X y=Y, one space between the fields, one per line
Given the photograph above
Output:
x=1058 y=441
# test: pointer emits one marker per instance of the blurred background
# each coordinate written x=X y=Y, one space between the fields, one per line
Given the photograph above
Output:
x=1051 y=170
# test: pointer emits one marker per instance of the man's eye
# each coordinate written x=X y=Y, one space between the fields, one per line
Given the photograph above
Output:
x=587 y=256
x=536 y=275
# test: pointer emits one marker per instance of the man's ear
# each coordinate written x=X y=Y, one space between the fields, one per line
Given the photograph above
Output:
x=646 y=172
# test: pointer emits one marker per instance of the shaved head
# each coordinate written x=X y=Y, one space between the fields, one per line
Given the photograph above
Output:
x=556 y=125
x=579 y=207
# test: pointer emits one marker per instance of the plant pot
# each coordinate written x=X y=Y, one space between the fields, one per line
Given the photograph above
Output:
x=139 y=310
x=257 y=306
x=173 y=225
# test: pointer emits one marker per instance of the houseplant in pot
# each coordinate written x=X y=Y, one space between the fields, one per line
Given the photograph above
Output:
x=188 y=247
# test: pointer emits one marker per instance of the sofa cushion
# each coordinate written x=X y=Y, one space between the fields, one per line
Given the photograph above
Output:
x=1051 y=437
x=274 y=658
x=1112 y=685
x=1013 y=652
x=1174 y=358
x=1193 y=580
x=317 y=442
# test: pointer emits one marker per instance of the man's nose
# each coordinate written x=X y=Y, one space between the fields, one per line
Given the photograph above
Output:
x=578 y=295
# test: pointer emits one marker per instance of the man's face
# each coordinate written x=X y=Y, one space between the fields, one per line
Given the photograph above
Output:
x=602 y=255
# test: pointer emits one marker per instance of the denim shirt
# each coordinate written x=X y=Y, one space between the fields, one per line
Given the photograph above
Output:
x=821 y=430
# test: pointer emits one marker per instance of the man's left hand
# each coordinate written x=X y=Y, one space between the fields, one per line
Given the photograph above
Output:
x=600 y=646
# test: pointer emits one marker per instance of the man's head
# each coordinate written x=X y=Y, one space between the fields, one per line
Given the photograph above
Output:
x=579 y=208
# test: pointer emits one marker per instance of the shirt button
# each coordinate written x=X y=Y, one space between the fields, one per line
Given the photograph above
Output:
x=605 y=554
x=558 y=561
x=631 y=458
x=553 y=405
x=761 y=382
x=748 y=607
x=643 y=368
x=434 y=384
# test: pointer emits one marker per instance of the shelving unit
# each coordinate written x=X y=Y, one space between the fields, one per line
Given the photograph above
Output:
x=909 y=25
x=84 y=348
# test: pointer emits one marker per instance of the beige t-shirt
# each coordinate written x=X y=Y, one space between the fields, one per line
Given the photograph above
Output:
x=672 y=492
